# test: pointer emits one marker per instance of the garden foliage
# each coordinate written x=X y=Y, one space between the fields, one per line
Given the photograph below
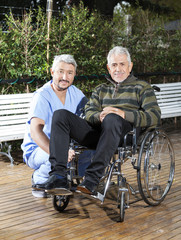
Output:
x=87 y=36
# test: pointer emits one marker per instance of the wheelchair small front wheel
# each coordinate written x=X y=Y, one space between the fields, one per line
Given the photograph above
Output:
x=122 y=206
x=156 y=165
x=60 y=202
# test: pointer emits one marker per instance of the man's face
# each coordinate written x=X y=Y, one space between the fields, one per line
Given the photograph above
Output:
x=119 y=67
x=63 y=75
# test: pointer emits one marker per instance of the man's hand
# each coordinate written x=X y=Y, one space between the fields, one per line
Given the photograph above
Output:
x=71 y=155
x=108 y=110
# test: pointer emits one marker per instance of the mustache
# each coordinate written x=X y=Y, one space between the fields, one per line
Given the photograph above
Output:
x=63 y=80
x=60 y=88
x=118 y=72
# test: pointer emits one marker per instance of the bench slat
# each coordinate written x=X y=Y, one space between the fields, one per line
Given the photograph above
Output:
x=171 y=110
x=13 y=122
x=9 y=133
x=170 y=115
x=14 y=111
x=169 y=105
x=169 y=91
x=11 y=137
x=14 y=101
x=169 y=87
x=163 y=95
x=19 y=127
x=165 y=85
x=16 y=96
x=14 y=106
x=169 y=99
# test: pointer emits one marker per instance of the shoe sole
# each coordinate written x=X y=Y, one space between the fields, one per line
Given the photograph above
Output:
x=38 y=189
x=84 y=190
x=58 y=191
x=39 y=194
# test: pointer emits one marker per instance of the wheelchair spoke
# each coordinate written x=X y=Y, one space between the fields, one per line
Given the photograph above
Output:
x=157 y=168
x=60 y=202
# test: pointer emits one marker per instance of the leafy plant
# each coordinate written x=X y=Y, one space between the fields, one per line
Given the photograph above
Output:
x=24 y=50
x=89 y=37
x=153 y=49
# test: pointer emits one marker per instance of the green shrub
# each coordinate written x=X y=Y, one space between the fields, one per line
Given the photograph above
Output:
x=153 y=49
x=87 y=36
x=24 y=50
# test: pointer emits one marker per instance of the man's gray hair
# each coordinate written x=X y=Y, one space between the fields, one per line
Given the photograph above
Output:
x=118 y=50
x=67 y=58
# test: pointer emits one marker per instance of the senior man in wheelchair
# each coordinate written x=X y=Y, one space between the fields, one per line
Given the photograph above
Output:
x=112 y=111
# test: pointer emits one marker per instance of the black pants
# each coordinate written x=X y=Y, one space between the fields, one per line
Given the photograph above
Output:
x=105 y=139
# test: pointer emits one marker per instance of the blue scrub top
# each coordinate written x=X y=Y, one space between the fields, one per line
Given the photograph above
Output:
x=43 y=105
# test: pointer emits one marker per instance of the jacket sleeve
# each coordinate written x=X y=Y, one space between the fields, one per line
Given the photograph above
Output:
x=149 y=114
x=93 y=108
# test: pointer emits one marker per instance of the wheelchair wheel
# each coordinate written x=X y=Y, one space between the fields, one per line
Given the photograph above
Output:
x=156 y=166
x=122 y=206
x=60 y=202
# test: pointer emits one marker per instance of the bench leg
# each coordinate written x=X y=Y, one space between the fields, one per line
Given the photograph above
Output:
x=175 y=120
x=8 y=153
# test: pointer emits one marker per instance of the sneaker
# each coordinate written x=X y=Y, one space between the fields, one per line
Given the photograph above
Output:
x=39 y=193
x=87 y=187
x=53 y=182
x=38 y=186
x=32 y=180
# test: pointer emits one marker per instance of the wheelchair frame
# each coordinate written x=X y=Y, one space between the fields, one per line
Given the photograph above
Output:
x=152 y=156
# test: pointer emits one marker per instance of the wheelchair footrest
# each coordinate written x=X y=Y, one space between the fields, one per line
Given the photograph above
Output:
x=99 y=196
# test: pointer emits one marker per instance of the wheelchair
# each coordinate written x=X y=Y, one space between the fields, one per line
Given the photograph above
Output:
x=151 y=155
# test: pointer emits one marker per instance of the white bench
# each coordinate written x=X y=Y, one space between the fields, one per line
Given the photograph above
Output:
x=169 y=99
x=14 y=110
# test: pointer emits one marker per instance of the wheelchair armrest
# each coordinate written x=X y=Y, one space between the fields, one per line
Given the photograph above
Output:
x=133 y=134
x=156 y=88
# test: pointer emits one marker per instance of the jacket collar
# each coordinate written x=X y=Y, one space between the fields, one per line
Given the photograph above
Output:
x=130 y=78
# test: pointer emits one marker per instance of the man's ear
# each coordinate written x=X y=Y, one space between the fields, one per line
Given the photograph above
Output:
x=130 y=67
x=108 y=68
x=51 y=71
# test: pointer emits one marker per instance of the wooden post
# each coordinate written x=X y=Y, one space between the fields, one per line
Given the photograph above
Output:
x=49 y=15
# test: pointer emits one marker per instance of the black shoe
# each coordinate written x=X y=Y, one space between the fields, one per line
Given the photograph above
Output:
x=87 y=187
x=53 y=182
x=40 y=193
x=39 y=186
